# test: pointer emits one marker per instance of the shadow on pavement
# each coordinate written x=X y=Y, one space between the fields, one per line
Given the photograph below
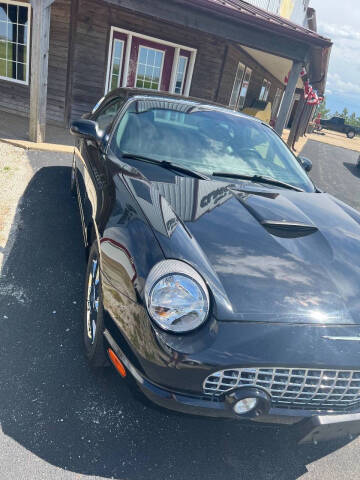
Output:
x=56 y=407
x=353 y=168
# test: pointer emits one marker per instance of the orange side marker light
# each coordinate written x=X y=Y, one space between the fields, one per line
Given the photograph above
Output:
x=116 y=362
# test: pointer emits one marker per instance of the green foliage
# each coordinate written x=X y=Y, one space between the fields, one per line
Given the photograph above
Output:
x=350 y=119
x=325 y=112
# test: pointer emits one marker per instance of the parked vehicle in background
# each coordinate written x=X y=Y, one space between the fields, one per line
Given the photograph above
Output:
x=337 y=124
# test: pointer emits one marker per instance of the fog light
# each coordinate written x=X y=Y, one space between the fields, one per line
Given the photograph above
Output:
x=245 y=405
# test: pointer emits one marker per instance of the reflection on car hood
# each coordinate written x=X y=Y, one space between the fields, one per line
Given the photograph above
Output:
x=267 y=254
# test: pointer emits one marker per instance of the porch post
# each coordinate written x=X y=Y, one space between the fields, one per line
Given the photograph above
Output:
x=288 y=96
x=39 y=68
x=296 y=122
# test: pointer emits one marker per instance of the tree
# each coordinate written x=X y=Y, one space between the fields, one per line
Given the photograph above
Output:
x=352 y=120
x=325 y=112
x=345 y=115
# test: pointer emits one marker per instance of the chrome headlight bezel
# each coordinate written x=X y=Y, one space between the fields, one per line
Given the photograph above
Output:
x=176 y=268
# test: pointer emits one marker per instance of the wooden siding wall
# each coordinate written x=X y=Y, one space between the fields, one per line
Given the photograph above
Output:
x=213 y=77
x=15 y=98
x=92 y=41
x=58 y=59
x=234 y=56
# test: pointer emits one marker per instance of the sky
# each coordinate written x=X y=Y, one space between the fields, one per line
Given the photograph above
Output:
x=340 y=21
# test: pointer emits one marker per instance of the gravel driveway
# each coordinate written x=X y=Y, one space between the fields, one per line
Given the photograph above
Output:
x=15 y=173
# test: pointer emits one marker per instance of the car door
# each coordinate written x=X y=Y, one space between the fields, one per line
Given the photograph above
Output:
x=91 y=177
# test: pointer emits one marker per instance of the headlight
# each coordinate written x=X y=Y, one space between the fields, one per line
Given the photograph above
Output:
x=176 y=296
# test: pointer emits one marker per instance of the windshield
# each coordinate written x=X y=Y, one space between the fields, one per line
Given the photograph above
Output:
x=207 y=141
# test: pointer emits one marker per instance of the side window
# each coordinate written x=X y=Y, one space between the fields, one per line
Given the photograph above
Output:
x=107 y=114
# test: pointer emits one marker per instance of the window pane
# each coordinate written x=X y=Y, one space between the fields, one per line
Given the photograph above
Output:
x=180 y=75
x=159 y=56
x=20 y=71
x=11 y=70
x=244 y=88
x=13 y=41
x=2 y=68
x=114 y=83
x=106 y=116
x=12 y=13
x=23 y=16
x=3 y=30
x=3 y=12
x=150 y=57
x=3 y=49
x=262 y=91
x=149 y=72
x=22 y=34
x=237 y=85
x=116 y=67
x=11 y=51
x=141 y=70
x=11 y=32
x=117 y=49
x=143 y=55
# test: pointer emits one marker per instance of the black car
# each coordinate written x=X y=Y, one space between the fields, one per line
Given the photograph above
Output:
x=220 y=280
x=337 y=124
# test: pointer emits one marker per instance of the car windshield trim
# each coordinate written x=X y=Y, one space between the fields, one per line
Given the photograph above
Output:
x=165 y=164
x=258 y=179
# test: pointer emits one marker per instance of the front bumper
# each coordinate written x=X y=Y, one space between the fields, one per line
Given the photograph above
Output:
x=311 y=427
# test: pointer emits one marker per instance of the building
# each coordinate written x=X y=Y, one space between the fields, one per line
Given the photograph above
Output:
x=294 y=10
x=228 y=51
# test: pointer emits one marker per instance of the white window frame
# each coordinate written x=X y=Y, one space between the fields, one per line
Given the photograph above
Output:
x=28 y=46
x=130 y=35
x=265 y=90
x=242 y=66
x=112 y=63
x=161 y=68
x=240 y=106
x=277 y=102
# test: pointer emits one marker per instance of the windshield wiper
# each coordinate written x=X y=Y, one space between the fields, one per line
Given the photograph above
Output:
x=259 y=179
x=165 y=164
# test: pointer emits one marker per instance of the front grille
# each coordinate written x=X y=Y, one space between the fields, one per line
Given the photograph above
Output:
x=309 y=389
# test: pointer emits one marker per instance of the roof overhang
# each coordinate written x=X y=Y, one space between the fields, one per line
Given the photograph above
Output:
x=259 y=30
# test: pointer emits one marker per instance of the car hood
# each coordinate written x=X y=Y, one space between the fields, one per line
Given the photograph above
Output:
x=267 y=254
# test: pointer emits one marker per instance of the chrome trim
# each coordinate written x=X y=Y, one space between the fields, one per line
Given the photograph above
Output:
x=306 y=388
x=346 y=339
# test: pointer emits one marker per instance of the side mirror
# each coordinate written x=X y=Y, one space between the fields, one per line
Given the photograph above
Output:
x=88 y=129
x=305 y=163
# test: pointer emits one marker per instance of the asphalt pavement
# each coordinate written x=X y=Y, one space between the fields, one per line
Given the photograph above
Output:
x=62 y=420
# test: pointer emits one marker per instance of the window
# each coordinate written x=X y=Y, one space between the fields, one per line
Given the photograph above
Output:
x=14 y=41
x=205 y=140
x=107 y=114
x=265 y=89
x=244 y=88
x=276 y=102
x=240 y=88
x=180 y=74
x=149 y=69
x=116 y=67
x=237 y=85
x=137 y=60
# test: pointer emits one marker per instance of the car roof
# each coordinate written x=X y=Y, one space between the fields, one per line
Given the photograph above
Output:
x=144 y=94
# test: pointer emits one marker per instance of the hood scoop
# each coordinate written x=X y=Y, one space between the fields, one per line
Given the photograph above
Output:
x=286 y=229
x=277 y=214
